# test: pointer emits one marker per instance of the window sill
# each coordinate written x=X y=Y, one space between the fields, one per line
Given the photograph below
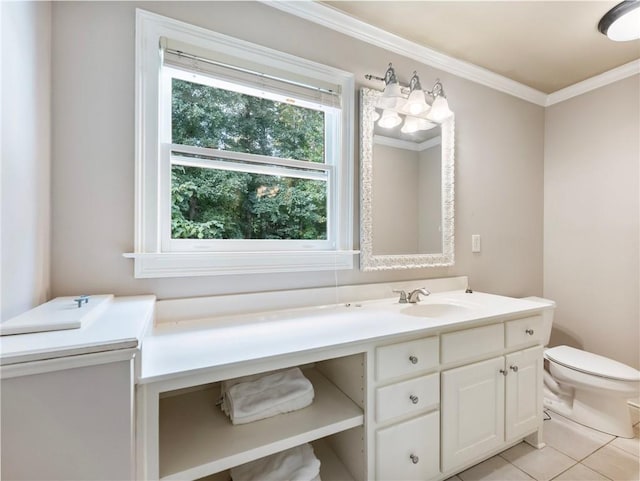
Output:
x=192 y=264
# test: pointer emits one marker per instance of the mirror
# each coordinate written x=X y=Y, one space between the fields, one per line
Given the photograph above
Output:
x=406 y=192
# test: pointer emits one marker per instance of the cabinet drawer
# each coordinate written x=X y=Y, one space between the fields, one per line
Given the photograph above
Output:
x=470 y=343
x=524 y=331
x=409 y=450
x=406 y=397
x=406 y=358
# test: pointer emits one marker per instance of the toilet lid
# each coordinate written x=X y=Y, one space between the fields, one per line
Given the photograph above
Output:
x=590 y=363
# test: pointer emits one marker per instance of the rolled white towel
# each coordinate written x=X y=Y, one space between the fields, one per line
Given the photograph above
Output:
x=295 y=464
x=257 y=397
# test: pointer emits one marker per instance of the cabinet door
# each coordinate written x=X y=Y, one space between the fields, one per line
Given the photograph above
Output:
x=472 y=408
x=523 y=392
x=73 y=424
x=409 y=450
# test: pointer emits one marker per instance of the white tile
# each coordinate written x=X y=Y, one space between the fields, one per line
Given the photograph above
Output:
x=629 y=445
x=614 y=463
x=573 y=439
x=579 y=472
x=494 y=469
x=542 y=464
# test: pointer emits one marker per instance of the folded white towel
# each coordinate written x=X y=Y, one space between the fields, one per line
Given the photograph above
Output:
x=295 y=464
x=257 y=397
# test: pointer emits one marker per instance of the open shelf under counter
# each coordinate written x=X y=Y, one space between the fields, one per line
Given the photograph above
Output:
x=197 y=439
x=331 y=468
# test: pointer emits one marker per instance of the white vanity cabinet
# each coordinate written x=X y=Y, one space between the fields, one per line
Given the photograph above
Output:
x=407 y=420
x=69 y=422
x=489 y=403
x=472 y=411
x=67 y=397
x=523 y=401
x=196 y=440
x=409 y=450
x=398 y=396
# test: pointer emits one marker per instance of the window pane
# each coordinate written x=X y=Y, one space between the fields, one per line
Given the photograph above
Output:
x=211 y=117
x=221 y=204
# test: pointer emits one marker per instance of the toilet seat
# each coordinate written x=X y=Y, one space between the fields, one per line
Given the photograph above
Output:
x=593 y=364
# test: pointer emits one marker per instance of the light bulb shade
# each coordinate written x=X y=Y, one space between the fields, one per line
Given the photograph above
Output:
x=414 y=124
x=391 y=97
x=416 y=103
x=439 y=110
x=410 y=125
x=622 y=22
x=389 y=119
x=424 y=124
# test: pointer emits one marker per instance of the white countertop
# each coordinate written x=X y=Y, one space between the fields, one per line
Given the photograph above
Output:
x=176 y=349
x=120 y=325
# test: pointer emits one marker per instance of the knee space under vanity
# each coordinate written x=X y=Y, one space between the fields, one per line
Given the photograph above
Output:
x=198 y=441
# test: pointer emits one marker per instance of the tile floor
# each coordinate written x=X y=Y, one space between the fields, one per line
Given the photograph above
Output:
x=573 y=453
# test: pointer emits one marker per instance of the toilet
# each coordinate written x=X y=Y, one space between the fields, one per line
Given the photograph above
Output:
x=590 y=389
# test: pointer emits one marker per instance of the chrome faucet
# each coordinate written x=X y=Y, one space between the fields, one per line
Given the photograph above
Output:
x=403 y=296
x=414 y=296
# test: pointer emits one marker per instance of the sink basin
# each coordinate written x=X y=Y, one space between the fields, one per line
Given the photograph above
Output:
x=435 y=310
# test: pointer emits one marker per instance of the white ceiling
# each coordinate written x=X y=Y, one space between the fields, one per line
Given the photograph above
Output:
x=546 y=45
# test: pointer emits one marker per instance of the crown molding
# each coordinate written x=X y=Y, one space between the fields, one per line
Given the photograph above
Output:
x=606 y=78
x=340 y=22
x=343 y=23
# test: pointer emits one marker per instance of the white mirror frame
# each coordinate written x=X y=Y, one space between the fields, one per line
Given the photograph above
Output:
x=369 y=261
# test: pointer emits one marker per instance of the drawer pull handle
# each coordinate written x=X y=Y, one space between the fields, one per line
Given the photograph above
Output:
x=414 y=459
x=503 y=372
x=413 y=359
x=414 y=399
x=529 y=331
x=514 y=368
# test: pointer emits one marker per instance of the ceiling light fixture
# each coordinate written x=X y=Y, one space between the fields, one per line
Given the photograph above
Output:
x=622 y=22
x=411 y=102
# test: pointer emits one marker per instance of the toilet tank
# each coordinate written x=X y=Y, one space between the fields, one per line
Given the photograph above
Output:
x=547 y=315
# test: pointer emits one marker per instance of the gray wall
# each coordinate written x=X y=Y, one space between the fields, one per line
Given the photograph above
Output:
x=25 y=213
x=591 y=219
x=395 y=203
x=430 y=192
x=499 y=156
x=589 y=145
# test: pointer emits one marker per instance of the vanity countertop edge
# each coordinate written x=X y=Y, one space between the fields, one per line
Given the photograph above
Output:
x=190 y=348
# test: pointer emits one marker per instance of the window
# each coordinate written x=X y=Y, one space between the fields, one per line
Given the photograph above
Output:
x=249 y=166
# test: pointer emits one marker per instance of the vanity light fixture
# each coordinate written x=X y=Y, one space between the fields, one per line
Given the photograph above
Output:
x=440 y=108
x=389 y=119
x=411 y=102
x=416 y=103
x=622 y=22
x=414 y=124
x=392 y=96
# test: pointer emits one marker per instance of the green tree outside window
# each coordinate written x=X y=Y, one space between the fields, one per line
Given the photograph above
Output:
x=220 y=204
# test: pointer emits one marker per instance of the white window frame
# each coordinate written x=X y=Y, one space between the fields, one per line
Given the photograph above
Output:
x=153 y=254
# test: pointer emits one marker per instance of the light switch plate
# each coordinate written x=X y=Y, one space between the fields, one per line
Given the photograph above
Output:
x=475 y=243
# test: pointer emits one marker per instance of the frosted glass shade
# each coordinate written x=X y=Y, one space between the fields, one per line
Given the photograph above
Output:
x=416 y=103
x=389 y=119
x=391 y=97
x=413 y=124
x=439 y=110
